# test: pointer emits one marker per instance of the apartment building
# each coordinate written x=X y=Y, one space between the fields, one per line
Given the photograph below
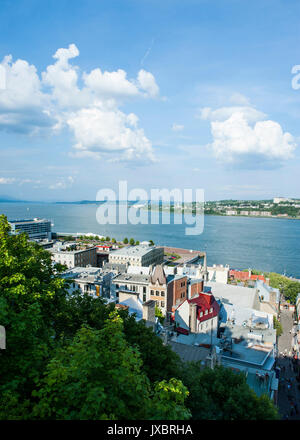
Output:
x=75 y=258
x=141 y=255
x=35 y=228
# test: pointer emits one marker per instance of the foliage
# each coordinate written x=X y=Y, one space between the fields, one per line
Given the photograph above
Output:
x=277 y=326
x=131 y=241
x=222 y=394
x=151 y=242
x=137 y=242
x=113 y=240
x=125 y=241
x=289 y=288
x=107 y=238
x=30 y=295
x=159 y=314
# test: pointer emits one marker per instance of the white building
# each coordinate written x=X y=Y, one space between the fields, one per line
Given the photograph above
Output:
x=218 y=273
x=141 y=255
x=75 y=258
x=91 y=280
x=35 y=228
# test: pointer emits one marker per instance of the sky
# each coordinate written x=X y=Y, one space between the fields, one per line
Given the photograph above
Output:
x=162 y=94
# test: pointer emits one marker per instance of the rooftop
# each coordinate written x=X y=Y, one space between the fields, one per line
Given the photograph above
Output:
x=133 y=251
x=33 y=220
x=237 y=295
x=134 y=278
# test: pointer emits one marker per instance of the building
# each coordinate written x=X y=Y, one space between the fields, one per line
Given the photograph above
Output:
x=277 y=200
x=231 y=212
x=240 y=275
x=218 y=273
x=198 y=314
x=167 y=290
x=141 y=255
x=35 y=228
x=133 y=283
x=269 y=297
x=91 y=280
x=75 y=258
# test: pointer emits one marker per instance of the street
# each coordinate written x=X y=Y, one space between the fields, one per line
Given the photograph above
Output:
x=288 y=393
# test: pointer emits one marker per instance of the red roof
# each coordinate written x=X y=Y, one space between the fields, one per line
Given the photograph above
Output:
x=205 y=302
x=241 y=275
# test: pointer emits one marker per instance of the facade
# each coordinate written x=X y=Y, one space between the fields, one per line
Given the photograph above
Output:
x=141 y=255
x=36 y=228
x=75 y=258
x=91 y=280
x=134 y=283
x=167 y=291
x=218 y=273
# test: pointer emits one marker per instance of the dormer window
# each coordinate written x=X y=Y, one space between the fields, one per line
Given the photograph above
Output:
x=206 y=312
x=201 y=314
x=211 y=310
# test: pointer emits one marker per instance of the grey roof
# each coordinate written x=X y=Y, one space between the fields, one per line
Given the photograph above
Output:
x=237 y=295
x=133 y=278
x=133 y=251
x=189 y=353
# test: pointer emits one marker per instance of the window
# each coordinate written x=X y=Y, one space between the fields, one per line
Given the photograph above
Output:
x=152 y=292
x=211 y=310
x=201 y=314
x=162 y=293
x=144 y=289
x=157 y=293
x=144 y=297
x=206 y=312
x=162 y=304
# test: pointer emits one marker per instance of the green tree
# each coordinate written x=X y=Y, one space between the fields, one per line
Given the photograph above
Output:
x=125 y=241
x=159 y=314
x=131 y=241
x=107 y=238
x=113 y=240
x=31 y=292
x=222 y=394
x=99 y=376
x=151 y=242
x=137 y=242
x=277 y=326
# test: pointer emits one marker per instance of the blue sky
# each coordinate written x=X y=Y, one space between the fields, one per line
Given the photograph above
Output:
x=175 y=94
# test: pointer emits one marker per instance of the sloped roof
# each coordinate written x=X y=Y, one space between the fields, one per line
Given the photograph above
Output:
x=205 y=301
x=158 y=275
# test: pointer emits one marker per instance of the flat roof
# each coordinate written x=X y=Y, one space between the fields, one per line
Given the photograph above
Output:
x=237 y=295
x=33 y=220
x=129 y=277
x=189 y=353
x=133 y=251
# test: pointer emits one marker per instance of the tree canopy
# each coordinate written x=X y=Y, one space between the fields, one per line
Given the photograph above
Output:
x=72 y=356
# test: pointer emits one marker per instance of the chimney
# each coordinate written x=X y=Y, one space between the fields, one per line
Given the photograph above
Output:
x=193 y=317
x=149 y=313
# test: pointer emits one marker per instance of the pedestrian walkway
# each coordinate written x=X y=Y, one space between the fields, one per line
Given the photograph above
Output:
x=288 y=393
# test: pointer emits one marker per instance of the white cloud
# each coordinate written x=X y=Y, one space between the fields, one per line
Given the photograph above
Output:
x=63 y=183
x=177 y=127
x=110 y=83
x=147 y=83
x=220 y=114
x=234 y=138
x=239 y=99
x=29 y=104
x=100 y=132
x=7 y=180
